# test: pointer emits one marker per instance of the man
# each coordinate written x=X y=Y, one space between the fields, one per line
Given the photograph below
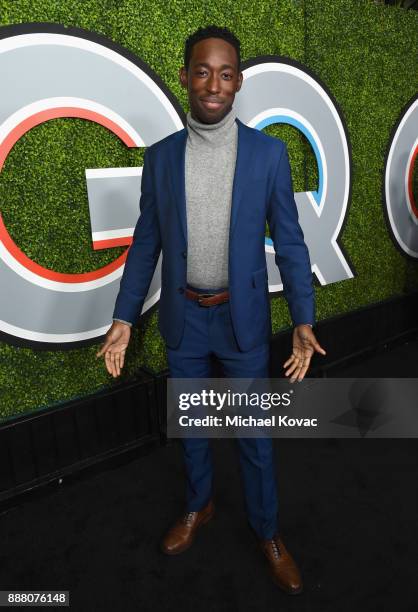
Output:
x=207 y=191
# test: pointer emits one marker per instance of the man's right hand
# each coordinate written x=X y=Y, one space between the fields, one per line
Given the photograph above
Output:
x=114 y=347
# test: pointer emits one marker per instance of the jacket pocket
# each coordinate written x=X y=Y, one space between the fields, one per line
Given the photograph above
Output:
x=260 y=277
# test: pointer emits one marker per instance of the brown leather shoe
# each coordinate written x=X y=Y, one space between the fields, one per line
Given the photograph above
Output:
x=283 y=567
x=180 y=537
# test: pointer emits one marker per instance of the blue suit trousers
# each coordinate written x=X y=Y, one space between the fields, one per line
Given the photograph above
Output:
x=208 y=330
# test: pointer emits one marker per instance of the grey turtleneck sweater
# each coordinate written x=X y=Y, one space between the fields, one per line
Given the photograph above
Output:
x=211 y=151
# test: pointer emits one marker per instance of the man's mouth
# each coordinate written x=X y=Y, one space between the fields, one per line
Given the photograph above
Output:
x=211 y=104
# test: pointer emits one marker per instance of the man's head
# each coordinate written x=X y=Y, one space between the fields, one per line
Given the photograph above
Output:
x=211 y=72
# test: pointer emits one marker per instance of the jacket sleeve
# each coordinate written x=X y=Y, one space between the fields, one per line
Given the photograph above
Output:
x=292 y=256
x=143 y=252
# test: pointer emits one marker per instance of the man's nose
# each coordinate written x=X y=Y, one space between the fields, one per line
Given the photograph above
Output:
x=213 y=84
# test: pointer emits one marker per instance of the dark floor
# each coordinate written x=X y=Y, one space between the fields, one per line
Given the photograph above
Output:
x=348 y=512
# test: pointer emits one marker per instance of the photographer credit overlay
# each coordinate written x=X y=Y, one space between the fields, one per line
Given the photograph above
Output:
x=276 y=408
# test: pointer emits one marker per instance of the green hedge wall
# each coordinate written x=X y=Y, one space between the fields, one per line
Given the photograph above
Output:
x=366 y=55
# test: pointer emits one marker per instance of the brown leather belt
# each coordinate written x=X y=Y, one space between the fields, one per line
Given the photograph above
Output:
x=207 y=299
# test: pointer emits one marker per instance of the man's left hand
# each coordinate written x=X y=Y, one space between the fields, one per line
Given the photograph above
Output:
x=304 y=346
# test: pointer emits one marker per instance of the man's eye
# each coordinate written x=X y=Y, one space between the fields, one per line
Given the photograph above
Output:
x=228 y=76
x=201 y=72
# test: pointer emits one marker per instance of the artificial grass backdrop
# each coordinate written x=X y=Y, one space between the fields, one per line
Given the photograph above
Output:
x=363 y=52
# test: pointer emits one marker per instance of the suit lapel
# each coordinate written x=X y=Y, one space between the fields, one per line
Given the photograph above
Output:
x=177 y=173
x=241 y=174
x=242 y=171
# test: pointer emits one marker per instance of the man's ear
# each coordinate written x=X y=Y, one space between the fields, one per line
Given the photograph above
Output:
x=183 y=77
x=240 y=78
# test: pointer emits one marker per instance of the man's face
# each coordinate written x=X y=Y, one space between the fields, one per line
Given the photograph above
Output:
x=212 y=80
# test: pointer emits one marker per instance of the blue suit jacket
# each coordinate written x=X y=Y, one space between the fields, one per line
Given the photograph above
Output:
x=262 y=189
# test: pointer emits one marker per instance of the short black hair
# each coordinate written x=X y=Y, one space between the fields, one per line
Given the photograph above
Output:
x=210 y=31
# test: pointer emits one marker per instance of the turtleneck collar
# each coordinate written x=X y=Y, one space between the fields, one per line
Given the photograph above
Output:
x=212 y=134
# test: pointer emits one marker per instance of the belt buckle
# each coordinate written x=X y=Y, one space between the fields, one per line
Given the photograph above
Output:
x=202 y=296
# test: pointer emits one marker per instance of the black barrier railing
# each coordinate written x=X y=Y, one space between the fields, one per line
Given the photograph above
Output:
x=353 y=335
x=44 y=446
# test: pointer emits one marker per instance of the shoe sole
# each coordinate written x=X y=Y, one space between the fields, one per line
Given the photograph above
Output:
x=179 y=551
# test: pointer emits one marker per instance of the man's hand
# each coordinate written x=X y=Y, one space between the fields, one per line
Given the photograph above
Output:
x=114 y=347
x=304 y=345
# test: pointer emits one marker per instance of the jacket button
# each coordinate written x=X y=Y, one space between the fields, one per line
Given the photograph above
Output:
x=184 y=254
x=180 y=289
